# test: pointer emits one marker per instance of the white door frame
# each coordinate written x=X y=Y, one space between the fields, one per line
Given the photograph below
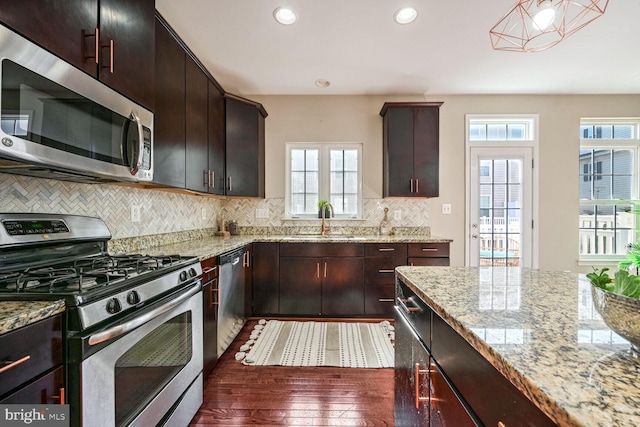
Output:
x=502 y=146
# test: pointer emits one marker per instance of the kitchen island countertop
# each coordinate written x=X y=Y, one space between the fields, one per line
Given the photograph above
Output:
x=16 y=314
x=541 y=331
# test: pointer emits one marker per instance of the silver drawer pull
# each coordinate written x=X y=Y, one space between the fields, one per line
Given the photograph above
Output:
x=385 y=299
x=11 y=365
x=386 y=271
x=429 y=249
x=386 y=249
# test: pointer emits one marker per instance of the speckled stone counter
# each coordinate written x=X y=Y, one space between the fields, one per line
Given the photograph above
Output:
x=541 y=331
x=16 y=314
x=214 y=246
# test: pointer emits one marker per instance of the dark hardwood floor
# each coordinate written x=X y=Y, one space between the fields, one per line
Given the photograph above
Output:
x=235 y=394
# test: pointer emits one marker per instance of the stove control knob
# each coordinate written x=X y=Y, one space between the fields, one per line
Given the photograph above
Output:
x=183 y=276
x=192 y=272
x=113 y=306
x=133 y=297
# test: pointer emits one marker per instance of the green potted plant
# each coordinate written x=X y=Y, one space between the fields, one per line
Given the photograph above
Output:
x=321 y=203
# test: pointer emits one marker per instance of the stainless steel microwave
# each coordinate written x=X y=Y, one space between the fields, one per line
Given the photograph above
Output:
x=58 y=122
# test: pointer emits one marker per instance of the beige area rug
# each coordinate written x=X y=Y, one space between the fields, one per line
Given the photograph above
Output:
x=339 y=344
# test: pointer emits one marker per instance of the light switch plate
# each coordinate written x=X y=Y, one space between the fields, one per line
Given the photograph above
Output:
x=262 y=213
x=446 y=208
x=204 y=213
x=397 y=215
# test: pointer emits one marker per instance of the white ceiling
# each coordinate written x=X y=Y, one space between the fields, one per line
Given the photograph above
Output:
x=356 y=45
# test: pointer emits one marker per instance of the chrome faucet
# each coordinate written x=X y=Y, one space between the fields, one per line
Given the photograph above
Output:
x=326 y=227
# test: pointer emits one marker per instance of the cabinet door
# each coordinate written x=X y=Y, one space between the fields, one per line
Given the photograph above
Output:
x=426 y=151
x=169 y=119
x=446 y=409
x=379 y=300
x=342 y=286
x=58 y=26
x=300 y=286
x=398 y=150
x=429 y=262
x=409 y=410
x=196 y=132
x=45 y=390
x=265 y=278
x=216 y=140
x=244 y=149
x=127 y=48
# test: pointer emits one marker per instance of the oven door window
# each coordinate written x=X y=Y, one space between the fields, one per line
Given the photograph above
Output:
x=150 y=364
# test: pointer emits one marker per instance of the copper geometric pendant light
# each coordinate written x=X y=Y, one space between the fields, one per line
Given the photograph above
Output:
x=535 y=25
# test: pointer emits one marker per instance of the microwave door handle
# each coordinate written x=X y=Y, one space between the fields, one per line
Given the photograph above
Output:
x=137 y=162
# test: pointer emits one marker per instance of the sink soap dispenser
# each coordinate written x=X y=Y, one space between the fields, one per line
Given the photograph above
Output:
x=385 y=226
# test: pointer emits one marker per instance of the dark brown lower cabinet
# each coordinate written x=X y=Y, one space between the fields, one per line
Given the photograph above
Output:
x=45 y=390
x=300 y=286
x=441 y=380
x=342 y=290
x=210 y=272
x=265 y=299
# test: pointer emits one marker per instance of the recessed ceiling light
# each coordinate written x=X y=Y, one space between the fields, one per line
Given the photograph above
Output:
x=323 y=83
x=405 y=15
x=284 y=15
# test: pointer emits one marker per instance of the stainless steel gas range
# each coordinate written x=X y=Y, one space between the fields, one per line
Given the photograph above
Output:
x=133 y=322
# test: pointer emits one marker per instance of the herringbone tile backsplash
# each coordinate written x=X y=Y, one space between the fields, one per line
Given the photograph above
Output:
x=168 y=212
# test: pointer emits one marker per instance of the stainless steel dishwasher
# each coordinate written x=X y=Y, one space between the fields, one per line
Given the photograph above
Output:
x=231 y=304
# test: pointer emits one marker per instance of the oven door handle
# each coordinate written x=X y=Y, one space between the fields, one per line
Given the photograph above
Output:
x=123 y=328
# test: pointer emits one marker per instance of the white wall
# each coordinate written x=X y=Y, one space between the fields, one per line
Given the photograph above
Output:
x=357 y=119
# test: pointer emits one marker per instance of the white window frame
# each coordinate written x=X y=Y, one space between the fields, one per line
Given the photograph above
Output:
x=324 y=178
x=613 y=144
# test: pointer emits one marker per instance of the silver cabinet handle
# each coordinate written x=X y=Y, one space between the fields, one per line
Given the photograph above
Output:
x=212 y=179
x=429 y=249
x=411 y=185
x=206 y=176
x=386 y=271
x=417 y=185
x=385 y=299
x=386 y=249
x=230 y=185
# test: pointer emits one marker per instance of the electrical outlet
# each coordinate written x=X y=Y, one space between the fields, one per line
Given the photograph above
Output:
x=446 y=208
x=397 y=215
x=262 y=213
x=203 y=212
x=135 y=213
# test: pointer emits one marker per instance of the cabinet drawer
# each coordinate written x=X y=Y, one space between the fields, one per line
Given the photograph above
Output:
x=45 y=390
x=379 y=300
x=210 y=269
x=419 y=262
x=379 y=271
x=428 y=250
x=475 y=379
x=38 y=344
x=298 y=249
x=397 y=250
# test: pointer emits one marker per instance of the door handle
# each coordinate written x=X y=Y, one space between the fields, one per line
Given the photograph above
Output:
x=474 y=236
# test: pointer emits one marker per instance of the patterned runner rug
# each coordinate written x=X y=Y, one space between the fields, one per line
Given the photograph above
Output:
x=340 y=344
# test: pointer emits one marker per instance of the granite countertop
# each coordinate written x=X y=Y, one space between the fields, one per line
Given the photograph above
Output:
x=541 y=331
x=16 y=314
x=214 y=246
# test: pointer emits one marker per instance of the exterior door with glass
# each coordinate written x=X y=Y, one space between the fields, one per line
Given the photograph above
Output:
x=500 y=217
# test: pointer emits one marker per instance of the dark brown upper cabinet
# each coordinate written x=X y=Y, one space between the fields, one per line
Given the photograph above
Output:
x=244 y=147
x=411 y=149
x=169 y=161
x=216 y=168
x=120 y=33
x=196 y=130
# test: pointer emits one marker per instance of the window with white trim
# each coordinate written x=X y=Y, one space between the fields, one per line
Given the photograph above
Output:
x=608 y=179
x=327 y=171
